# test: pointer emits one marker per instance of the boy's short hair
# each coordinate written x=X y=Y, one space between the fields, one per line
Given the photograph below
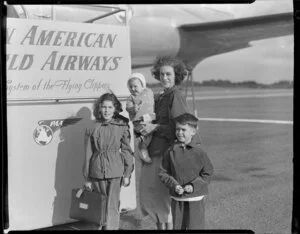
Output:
x=187 y=118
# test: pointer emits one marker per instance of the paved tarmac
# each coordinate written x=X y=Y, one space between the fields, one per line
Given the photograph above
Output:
x=252 y=186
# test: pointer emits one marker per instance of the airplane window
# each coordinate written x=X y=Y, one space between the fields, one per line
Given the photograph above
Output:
x=39 y=11
x=15 y=11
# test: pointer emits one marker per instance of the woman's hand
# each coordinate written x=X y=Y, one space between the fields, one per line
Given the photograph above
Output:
x=148 y=128
x=129 y=105
x=126 y=181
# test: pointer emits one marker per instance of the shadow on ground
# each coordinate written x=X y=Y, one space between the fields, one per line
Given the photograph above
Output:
x=129 y=220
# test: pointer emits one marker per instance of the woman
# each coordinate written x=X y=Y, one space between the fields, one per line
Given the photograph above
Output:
x=154 y=196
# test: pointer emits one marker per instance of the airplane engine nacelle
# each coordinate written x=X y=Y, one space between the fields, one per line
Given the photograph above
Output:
x=159 y=35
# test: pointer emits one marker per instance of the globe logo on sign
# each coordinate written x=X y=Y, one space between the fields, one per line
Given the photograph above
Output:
x=43 y=135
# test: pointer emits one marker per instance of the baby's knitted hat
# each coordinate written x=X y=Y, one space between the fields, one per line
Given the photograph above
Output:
x=139 y=76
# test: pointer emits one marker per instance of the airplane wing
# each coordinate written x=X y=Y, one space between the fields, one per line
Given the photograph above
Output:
x=199 y=41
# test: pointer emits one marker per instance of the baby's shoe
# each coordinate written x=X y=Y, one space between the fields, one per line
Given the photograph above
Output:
x=144 y=155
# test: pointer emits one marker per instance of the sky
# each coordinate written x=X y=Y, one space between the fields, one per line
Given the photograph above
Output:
x=266 y=61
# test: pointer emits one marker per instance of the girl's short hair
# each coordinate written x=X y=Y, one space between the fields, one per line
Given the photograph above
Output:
x=179 y=67
x=106 y=97
x=187 y=118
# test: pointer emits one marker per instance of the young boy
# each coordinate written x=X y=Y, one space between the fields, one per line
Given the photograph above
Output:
x=140 y=106
x=186 y=171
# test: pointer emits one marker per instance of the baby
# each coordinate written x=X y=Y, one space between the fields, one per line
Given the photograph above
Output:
x=140 y=106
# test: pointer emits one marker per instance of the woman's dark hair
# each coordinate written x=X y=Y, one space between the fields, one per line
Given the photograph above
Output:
x=179 y=67
x=106 y=97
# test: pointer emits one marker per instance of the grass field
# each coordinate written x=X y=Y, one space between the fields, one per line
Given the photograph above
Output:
x=253 y=163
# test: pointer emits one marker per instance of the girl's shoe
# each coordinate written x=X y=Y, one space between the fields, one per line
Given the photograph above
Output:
x=144 y=155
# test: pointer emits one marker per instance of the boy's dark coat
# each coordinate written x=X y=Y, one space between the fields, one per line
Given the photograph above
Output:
x=186 y=165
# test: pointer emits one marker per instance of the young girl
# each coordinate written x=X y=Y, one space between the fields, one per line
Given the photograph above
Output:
x=109 y=158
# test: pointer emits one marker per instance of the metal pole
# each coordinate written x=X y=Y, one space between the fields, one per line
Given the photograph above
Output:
x=52 y=12
x=187 y=84
x=102 y=16
x=193 y=95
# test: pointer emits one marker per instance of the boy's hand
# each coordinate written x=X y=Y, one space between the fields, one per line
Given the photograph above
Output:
x=126 y=181
x=179 y=190
x=188 y=188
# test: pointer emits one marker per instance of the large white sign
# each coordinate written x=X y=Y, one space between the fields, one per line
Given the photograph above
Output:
x=46 y=149
x=48 y=59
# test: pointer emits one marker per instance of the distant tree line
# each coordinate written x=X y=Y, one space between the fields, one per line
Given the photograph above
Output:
x=283 y=84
